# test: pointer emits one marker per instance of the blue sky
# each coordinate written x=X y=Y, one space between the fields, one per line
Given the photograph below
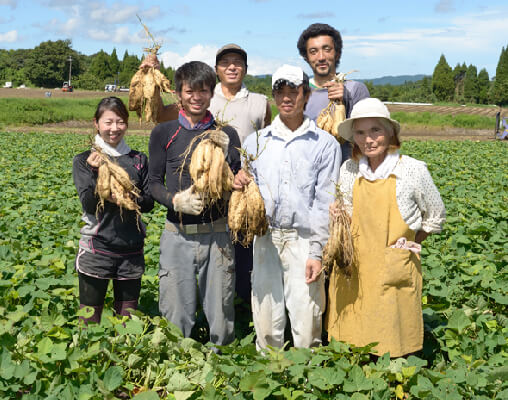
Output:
x=380 y=37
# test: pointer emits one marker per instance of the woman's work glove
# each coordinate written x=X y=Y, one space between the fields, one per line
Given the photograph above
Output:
x=220 y=139
x=188 y=202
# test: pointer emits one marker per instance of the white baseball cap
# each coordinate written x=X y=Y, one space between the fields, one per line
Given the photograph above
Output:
x=291 y=75
x=366 y=108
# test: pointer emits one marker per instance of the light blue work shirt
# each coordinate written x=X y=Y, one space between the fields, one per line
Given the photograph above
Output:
x=297 y=180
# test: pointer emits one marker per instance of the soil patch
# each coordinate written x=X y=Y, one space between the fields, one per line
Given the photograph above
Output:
x=136 y=128
x=41 y=93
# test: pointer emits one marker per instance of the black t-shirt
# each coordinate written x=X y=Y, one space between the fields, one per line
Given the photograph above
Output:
x=168 y=143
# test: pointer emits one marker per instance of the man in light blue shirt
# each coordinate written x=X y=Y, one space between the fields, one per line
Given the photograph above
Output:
x=296 y=167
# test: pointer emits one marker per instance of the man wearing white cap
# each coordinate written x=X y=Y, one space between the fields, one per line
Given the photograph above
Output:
x=295 y=169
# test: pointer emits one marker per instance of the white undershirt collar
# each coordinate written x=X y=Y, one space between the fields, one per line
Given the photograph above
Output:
x=121 y=148
x=243 y=92
x=383 y=171
x=281 y=130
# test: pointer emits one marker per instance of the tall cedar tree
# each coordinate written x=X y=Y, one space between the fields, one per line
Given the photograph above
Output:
x=100 y=66
x=459 y=74
x=483 y=86
x=471 y=85
x=130 y=65
x=500 y=87
x=443 y=85
x=114 y=64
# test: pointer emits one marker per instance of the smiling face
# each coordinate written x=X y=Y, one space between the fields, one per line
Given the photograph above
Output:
x=231 y=69
x=321 y=55
x=290 y=102
x=111 y=127
x=372 y=138
x=195 y=101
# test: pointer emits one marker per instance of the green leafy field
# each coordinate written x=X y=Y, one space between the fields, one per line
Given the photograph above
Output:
x=36 y=111
x=46 y=354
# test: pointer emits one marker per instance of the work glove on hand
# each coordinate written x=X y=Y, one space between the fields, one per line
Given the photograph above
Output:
x=220 y=139
x=188 y=202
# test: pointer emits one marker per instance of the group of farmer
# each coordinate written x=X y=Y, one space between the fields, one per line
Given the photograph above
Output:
x=391 y=200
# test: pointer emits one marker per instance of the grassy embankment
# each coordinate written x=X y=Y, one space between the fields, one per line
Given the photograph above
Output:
x=21 y=111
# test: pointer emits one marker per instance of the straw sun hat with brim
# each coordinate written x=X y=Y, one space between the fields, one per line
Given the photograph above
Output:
x=366 y=108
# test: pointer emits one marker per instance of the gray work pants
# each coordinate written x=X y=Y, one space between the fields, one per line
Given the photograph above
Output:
x=210 y=257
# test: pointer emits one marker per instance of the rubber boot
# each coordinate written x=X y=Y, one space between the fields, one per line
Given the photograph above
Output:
x=122 y=306
x=96 y=317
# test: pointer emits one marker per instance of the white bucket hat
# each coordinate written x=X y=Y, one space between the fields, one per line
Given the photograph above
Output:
x=366 y=108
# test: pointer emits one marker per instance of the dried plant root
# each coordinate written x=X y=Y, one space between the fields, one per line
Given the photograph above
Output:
x=113 y=182
x=247 y=214
x=144 y=93
x=147 y=84
x=335 y=112
x=339 y=250
x=208 y=168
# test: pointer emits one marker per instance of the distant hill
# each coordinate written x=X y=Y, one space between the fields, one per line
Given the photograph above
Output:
x=394 y=80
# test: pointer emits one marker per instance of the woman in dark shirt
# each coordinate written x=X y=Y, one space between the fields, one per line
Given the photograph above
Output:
x=112 y=239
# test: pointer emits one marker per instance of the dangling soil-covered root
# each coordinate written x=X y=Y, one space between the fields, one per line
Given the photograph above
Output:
x=147 y=85
x=208 y=168
x=339 y=251
x=330 y=117
x=113 y=182
x=144 y=93
x=247 y=214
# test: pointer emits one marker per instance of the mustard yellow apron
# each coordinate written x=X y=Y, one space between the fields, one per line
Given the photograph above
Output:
x=381 y=302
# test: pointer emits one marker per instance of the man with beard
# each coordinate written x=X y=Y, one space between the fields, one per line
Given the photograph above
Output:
x=321 y=46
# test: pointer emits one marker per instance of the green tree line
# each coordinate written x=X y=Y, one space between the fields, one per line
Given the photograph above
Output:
x=462 y=84
x=47 y=65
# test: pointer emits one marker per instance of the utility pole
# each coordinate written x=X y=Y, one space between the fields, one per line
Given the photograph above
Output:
x=70 y=69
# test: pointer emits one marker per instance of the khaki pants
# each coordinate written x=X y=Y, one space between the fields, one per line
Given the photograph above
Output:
x=278 y=283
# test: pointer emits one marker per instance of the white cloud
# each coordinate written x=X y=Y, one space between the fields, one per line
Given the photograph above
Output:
x=119 y=35
x=71 y=26
x=444 y=6
x=9 y=37
x=197 y=52
x=471 y=38
x=116 y=14
x=256 y=65
x=12 y=3
x=151 y=13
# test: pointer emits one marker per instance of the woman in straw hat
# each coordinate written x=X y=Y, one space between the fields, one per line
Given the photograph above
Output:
x=394 y=205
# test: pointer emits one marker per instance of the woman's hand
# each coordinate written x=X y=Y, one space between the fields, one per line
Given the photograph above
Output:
x=241 y=180
x=94 y=159
x=333 y=210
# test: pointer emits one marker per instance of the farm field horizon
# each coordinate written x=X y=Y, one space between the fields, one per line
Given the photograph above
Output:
x=46 y=353
x=28 y=110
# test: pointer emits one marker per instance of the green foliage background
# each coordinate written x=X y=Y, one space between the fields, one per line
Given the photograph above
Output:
x=46 y=354
x=47 y=66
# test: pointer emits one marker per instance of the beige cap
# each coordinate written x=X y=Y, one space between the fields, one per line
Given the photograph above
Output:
x=230 y=48
x=366 y=108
